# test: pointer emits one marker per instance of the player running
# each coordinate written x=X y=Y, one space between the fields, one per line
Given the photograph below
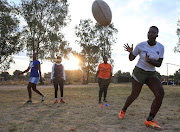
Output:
x=151 y=55
x=34 y=77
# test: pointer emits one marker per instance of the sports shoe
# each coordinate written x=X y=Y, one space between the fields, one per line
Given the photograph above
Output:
x=62 y=101
x=105 y=100
x=43 y=98
x=152 y=124
x=29 y=102
x=121 y=114
x=55 y=101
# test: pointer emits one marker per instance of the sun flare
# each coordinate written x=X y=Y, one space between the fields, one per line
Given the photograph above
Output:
x=72 y=63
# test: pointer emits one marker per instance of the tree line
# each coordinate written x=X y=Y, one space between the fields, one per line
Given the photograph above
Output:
x=42 y=33
x=72 y=77
x=77 y=76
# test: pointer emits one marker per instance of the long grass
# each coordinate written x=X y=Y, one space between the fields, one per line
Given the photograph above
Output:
x=82 y=113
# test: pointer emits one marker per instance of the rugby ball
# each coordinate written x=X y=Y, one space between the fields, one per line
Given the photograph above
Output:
x=101 y=12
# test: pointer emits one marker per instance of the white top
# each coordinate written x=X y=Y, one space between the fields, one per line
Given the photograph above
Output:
x=52 y=73
x=154 y=52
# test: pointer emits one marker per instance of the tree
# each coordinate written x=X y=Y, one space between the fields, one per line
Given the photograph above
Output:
x=177 y=48
x=6 y=76
x=105 y=39
x=9 y=35
x=27 y=75
x=177 y=75
x=95 y=41
x=73 y=76
x=45 y=20
x=89 y=54
x=122 y=76
x=15 y=74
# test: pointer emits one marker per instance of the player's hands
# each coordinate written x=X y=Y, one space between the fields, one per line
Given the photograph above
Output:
x=127 y=48
x=147 y=57
x=95 y=80
x=41 y=81
x=111 y=80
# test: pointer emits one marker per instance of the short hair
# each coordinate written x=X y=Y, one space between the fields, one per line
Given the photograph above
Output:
x=104 y=57
x=59 y=58
x=36 y=54
x=155 y=28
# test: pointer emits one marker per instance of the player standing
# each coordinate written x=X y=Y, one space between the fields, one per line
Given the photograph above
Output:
x=104 y=74
x=58 y=78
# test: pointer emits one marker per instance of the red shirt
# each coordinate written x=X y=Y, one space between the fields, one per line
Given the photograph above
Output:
x=104 y=70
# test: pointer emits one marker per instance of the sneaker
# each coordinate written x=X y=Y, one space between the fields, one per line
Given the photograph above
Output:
x=121 y=114
x=29 y=102
x=43 y=98
x=62 y=101
x=55 y=101
x=152 y=124
x=100 y=102
x=105 y=100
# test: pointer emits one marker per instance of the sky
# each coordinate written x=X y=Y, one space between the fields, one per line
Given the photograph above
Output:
x=132 y=18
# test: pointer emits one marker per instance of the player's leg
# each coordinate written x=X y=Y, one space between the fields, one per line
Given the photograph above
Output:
x=156 y=87
x=55 y=83
x=38 y=92
x=101 y=90
x=61 y=85
x=106 y=88
x=136 y=89
x=158 y=91
x=29 y=92
x=35 y=90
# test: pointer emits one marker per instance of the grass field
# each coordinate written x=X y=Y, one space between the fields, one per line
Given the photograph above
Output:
x=82 y=113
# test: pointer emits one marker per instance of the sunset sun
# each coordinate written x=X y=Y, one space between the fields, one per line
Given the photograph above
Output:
x=72 y=63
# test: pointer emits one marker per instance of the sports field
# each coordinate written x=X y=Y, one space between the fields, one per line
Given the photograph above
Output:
x=82 y=113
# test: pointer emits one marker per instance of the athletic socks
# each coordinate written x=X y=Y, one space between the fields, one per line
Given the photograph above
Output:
x=57 y=98
x=150 y=117
x=124 y=109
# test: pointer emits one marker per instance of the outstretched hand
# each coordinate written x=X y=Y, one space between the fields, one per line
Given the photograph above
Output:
x=95 y=80
x=19 y=73
x=127 y=48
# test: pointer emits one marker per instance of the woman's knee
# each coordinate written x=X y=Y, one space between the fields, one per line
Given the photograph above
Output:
x=56 y=88
x=133 y=96
x=160 y=93
x=101 y=89
x=34 y=89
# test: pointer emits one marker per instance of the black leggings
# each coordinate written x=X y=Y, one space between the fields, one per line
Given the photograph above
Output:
x=59 y=82
x=103 y=86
